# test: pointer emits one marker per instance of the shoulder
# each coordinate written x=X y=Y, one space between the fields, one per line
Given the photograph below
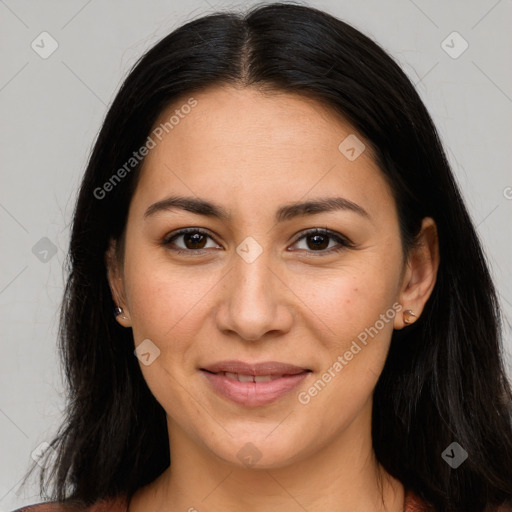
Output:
x=117 y=504
x=413 y=503
x=504 y=508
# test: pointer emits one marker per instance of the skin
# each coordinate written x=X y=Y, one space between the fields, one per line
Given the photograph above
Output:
x=301 y=306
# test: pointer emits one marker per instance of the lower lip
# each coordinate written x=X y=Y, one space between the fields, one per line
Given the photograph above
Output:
x=254 y=394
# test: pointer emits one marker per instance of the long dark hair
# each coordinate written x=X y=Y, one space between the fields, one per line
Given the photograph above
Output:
x=444 y=380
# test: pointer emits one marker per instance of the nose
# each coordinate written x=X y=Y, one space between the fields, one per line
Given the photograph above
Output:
x=255 y=300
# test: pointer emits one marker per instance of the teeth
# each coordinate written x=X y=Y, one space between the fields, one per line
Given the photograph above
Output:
x=250 y=378
x=262 y=378
x=245 y=378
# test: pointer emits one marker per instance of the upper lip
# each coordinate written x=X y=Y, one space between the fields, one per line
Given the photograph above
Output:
x=264 y=368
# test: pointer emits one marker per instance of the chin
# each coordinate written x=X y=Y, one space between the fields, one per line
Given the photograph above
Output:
x=258 y=451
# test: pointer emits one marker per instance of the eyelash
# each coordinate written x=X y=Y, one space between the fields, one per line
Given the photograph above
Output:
x=343 y=242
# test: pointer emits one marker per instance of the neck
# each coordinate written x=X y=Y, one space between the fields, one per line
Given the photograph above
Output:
x=342 y=476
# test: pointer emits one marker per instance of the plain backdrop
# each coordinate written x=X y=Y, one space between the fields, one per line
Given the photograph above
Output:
x=52 y=106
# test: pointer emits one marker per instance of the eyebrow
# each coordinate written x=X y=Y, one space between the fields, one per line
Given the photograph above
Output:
x=284 y=213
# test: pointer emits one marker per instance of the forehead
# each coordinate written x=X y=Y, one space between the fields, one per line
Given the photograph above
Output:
x=240 y=119
x=254 y=147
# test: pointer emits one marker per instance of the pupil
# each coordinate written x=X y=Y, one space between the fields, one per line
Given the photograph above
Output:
x=319 y=245
x=194 y=239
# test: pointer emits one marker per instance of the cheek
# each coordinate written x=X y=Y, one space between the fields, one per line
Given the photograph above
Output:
x=164 y=300
x=355 y=309
x=164 y=308
x=346 y=300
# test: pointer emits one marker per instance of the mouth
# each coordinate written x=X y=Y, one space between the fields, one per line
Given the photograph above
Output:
x=253 y=385
x=248 y=378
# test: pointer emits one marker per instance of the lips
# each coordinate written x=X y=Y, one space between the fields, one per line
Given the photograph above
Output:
x=253 y=385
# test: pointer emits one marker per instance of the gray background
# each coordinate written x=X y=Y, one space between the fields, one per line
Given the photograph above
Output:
x=52 y=108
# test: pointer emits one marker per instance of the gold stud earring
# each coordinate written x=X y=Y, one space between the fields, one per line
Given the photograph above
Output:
x=407 y=316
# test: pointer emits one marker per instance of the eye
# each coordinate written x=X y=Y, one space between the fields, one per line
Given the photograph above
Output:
x=318 y=239
x=194 y=240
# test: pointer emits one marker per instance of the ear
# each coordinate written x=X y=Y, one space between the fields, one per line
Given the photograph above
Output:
x=116 y=283
x=420 y=274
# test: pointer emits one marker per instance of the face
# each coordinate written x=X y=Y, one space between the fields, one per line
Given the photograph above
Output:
x=256 y=287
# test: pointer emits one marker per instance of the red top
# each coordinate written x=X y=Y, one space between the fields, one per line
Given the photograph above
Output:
x=412 y=504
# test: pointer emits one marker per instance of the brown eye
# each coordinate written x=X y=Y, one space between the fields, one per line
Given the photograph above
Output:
x=319 y=240
x=193 y=239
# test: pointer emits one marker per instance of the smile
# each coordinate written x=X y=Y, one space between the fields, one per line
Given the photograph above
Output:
x=253 y=390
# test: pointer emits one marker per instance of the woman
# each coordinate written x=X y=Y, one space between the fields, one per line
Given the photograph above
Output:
x=270 y=214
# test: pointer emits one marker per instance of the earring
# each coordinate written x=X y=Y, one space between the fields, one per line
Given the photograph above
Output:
x=118 y=311
x=407 y=316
